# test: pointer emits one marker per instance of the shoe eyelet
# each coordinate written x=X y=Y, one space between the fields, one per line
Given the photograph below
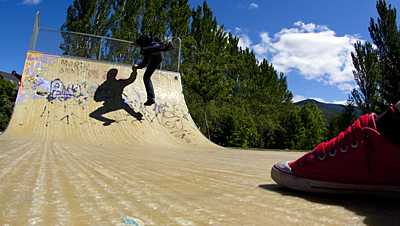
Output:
x=311 y=158
x=345 y=149
x=333 y=154
x=323 y=157
x=355 y=145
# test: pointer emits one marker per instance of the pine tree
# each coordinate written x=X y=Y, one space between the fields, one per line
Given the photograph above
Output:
x=178 y=18
x=342 y=121
x=314 y=125
x=386 y=36
x=292 y=133
x=89 y=17
x=367 y=77
x=204 y=61
x=154 y=20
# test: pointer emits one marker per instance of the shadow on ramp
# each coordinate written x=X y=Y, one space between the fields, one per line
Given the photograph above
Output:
x=111 y=92
x=378 y=210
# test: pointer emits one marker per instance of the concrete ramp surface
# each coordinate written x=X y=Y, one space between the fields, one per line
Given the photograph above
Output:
x=57 y=98
x=60 y=164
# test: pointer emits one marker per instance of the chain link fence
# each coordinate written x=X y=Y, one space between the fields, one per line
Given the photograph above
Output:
x=95 y=47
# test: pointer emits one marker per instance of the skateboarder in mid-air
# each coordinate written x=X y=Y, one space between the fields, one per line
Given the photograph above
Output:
x=151 y=48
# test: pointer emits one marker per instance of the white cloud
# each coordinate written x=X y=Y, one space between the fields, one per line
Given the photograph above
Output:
x=298 y=98
x=253 y=6
x=31 y=2
x=343 y=102
x=244 y=39
x=346 y=86
x=318 y=99
x=314 y=51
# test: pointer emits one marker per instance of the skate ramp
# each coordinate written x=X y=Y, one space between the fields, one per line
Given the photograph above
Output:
x=56 y=99
x=59 y=166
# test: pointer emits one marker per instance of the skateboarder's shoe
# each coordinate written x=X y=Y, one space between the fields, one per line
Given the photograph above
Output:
x=108 y=122
x=169 y=46
x=358 y=161
x=149 y=102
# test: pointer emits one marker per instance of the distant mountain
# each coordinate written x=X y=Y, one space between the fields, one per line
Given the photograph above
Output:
x=328 y=110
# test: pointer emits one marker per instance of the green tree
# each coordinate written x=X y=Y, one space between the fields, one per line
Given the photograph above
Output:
x=292 y=132
x=314 y=125
x=386 y=37
x=231 y=125
x=260 y=93
x=342 y=121
x=154 y=20
x=6 y=106
x=126 y=21
x=252 y=92
x=203 y=66
x=367 y=77
x=269 y=98
x=178 y=21
x=179 y=18
x=89 y=17
x=242 y=128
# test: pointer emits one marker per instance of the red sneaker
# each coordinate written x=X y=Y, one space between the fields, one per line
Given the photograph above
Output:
x=358 y=161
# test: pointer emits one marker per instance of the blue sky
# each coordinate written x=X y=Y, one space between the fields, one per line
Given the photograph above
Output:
x=309 y=41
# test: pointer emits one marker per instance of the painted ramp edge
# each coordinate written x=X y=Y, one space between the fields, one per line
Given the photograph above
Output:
x=56 y=99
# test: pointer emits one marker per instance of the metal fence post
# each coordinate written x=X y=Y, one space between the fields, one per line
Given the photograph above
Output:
x=101 y=43
x=179 y=54
x=35 y=32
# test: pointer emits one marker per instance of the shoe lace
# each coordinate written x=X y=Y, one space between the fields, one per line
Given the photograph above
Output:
x=350 y=138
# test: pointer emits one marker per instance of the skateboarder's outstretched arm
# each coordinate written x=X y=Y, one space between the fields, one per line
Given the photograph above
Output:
x=144 y=62
x=131 y=78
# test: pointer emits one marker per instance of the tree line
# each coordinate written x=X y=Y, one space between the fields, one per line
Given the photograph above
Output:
x=234 y=99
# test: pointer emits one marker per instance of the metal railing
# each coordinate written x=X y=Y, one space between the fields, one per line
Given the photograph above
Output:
x=95 y=47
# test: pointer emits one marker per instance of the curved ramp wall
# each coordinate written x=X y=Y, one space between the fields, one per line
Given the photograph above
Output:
x=56 y=98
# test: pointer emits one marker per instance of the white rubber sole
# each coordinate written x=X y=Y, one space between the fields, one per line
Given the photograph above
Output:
x=307 y=185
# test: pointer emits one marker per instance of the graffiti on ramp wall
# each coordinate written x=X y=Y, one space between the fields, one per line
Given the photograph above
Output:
x=65 y=87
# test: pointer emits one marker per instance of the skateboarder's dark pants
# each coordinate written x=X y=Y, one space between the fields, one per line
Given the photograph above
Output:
x=155 y=60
